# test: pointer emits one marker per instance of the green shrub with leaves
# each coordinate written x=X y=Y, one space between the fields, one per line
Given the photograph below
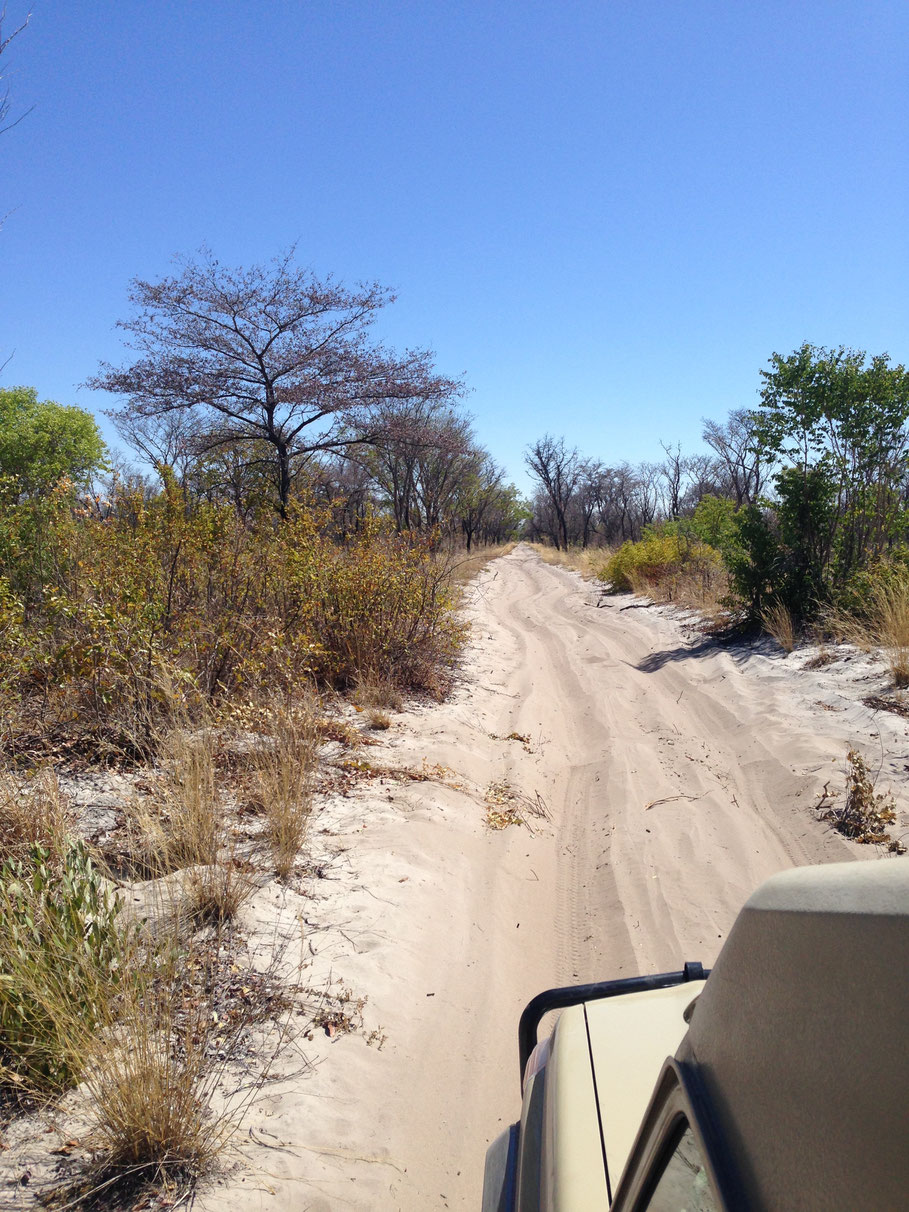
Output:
x=664 y=557
x=63 y=943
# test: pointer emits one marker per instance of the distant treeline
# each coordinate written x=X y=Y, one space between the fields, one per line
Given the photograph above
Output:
x=802 y=495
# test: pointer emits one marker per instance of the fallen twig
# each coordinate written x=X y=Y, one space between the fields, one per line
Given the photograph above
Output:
x=669 y=798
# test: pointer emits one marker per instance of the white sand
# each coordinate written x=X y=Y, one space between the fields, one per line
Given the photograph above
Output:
x=450 y=928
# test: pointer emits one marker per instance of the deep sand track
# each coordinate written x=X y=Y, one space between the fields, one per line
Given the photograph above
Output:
x=676 y=780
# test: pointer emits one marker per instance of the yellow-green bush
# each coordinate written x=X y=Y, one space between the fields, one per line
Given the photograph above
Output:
x=62 y=942
x=156 y=611
x=668 y=565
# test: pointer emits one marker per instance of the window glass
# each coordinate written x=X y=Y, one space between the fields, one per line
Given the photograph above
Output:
x=683 y=1186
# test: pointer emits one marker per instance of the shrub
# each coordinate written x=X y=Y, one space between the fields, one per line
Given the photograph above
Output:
x=214 y=893
x=670 y=564
x=713 y=522
x=150 y=615
x=380 y=607
x=62 y=949
x=873 y=611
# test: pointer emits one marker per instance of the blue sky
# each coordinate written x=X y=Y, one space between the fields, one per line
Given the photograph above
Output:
x=606 y=215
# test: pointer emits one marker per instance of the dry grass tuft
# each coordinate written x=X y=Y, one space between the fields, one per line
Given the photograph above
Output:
x=590 y=562
x=213 y=894
x=373 y=691
x=779 y=623
x=283 y=783
x=169 y=1078
x=883 y=623
x=150 y=1119
x=192 y=801
x=32 y=811
x=378 y=720
x=181 y=823
x=890 y=612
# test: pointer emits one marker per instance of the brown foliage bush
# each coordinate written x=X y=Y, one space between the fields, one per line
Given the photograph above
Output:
x=115 y=625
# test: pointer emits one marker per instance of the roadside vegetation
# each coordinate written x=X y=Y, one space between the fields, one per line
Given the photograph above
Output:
x=795 y=521
x=306 y=509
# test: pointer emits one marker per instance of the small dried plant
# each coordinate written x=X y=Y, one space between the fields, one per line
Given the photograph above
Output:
x=864 y=815
x=181 y=823
x=32 y=812
x=283 y=767
x=379 y=721
x=779 y=623
x=214 y=893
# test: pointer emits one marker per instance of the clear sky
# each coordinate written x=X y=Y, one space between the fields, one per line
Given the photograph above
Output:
x=607 y=215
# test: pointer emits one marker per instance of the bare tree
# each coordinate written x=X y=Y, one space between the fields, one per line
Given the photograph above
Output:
x=164 y=441
x=739 y=453
x=558 y=472
x=673 y=470
x=705 y=478
x=268 y=354
x=479 y=495
x=7 y=123
x=417 y=457
x=587 y=499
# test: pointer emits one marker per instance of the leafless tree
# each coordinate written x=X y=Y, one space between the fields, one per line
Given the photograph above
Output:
x=164 y=441
x=673 y=471
x=739 y=454
x=444 y=465
x=479 y=496
x=558 y=471
x=268 y=354
x=705 y=478
x=648 y=493
x=586 y=501
x=418 y=455
x=6 y=122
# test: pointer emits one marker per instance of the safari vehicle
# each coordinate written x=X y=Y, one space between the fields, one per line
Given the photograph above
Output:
x=777 y=1081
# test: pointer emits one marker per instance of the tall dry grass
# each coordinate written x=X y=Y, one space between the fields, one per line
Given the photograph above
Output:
x=283 y=765
x=32 y=812
x=181 y=822
x=151 y=1087
x=590 y=562
x=880 y=621
x=778 y=622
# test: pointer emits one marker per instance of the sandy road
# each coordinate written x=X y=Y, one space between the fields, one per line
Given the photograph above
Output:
x=675 y=779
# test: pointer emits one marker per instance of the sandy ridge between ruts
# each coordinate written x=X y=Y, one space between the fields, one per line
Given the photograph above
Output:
x=678 y=775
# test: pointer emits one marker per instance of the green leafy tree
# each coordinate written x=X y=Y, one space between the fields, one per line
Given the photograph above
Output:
x=837 y=417
x=713 y=522
x=42 y=442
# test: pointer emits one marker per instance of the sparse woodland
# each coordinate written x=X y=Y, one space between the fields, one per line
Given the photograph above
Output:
x=288 y=526
x=291 y=529
x=797 y=517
